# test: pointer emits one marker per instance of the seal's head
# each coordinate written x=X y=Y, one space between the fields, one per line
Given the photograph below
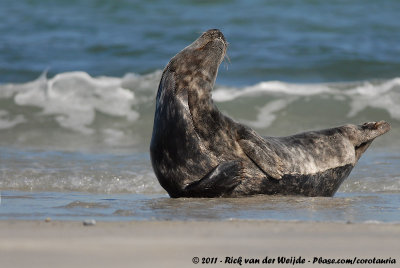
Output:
x=212 y=42
x=202 y=58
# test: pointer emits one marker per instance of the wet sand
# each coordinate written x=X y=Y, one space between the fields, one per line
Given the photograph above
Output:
x=174 y=244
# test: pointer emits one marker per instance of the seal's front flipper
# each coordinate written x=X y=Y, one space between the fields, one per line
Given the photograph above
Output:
x=265 y=158
x=218 y=182
x=261 y=152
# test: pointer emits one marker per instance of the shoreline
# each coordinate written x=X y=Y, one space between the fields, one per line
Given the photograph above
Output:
x=175 y=243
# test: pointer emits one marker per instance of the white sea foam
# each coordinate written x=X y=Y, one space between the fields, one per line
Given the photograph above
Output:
x=385 y=96
x=359 y=96
x=266 y=115
x=142 y=82
x=223 y=94
x=119 y=111
x=73 y=98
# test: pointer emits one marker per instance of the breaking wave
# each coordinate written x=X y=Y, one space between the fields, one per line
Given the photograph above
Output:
x=76 y=111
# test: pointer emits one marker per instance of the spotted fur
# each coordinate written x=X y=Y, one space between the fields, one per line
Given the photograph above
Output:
x=196 y=151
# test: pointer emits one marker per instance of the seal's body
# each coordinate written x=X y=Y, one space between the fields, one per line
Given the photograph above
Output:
x=198 y=152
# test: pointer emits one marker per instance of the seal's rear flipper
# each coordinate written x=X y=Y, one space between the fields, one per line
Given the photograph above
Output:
x=219 y=181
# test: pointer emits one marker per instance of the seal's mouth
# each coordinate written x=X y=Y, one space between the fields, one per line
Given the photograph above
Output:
x=223 y=48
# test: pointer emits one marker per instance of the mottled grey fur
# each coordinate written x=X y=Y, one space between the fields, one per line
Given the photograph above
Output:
x=198 y=152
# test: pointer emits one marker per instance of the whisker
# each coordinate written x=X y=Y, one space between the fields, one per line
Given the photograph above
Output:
x=227 y=61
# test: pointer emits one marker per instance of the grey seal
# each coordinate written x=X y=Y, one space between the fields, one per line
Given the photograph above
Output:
x=196 y=151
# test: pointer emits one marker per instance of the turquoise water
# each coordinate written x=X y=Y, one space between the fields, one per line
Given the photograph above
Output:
x=298 y=41
x=78 y=81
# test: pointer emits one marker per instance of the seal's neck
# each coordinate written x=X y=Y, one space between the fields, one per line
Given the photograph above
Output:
x=199 y=93
x=207 y=119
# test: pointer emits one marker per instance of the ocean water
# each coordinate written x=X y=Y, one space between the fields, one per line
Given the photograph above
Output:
x=78 y=81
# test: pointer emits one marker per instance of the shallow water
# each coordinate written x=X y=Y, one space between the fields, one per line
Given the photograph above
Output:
x=112 y=187
x=78 y=81
x=344 y=207
x=115 y=173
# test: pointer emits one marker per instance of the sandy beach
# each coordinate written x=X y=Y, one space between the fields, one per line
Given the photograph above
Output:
x=175 y=244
